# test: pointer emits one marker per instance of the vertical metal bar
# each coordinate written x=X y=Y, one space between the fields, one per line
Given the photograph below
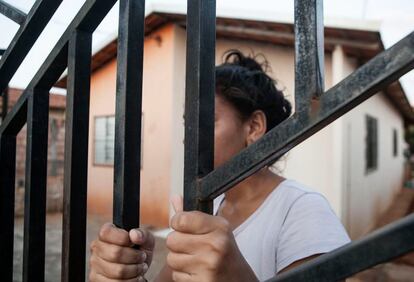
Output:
x=309 y=54
x=7 y=181
x=199 y=103
x=128 y=113
x=5 y=104
x=76 y=162
x=12 y=13
x=35 y=190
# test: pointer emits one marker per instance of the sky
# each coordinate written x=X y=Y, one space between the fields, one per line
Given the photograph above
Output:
x=395 y=19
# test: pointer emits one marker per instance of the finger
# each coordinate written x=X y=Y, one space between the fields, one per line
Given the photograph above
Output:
x=117 y=254
x=109 y=233
x=196 y=222
x=181 y=277
x=118 y=271
x=180 y=262
x=97 y=277
x=142 y=238
x=177 y=203
x=184 y=243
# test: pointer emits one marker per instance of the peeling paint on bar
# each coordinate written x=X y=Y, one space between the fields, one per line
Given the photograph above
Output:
x=199 y=102
x=128 y=114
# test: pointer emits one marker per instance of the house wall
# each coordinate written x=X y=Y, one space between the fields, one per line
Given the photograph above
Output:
x=177 y=114
x=322 y=162
x=370 y=193
x=157 y=131
x=56 y=138
x=363 y=196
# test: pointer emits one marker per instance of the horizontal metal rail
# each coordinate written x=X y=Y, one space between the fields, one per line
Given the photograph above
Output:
x=12 y=12
x=382 y=245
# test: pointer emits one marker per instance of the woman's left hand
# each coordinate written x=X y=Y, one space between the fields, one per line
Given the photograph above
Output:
x=203 y=249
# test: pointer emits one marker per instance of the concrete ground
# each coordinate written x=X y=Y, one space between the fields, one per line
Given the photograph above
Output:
x=54 y=245
x=386 y=272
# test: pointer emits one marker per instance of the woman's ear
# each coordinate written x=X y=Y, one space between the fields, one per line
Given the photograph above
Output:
x=256 y=126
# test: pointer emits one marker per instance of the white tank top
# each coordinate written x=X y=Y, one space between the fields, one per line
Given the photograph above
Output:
x=292 y=223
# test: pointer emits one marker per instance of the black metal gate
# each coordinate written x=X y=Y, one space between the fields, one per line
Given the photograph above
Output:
x=315 y=109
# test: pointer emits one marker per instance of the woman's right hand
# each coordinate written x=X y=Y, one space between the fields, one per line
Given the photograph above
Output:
x=114 y=258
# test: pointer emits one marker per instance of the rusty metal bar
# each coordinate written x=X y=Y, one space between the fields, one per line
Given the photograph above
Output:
x=309 y=54
x=349 y=93
x=128 y=114
x=7 y=181
x=76 y=164
x=382 y=245
x=38 y=17
x=12 y=12
x=35 y=189
x=199 y=103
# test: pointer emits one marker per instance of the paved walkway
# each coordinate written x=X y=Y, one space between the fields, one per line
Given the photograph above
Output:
x=54 y=245
x=387 y=272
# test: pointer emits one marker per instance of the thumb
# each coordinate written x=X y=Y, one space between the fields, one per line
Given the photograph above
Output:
x=143 y=238
x=177 y=203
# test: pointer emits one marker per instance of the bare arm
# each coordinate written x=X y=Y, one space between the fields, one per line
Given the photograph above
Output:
x=298 y=262
x=301 y=261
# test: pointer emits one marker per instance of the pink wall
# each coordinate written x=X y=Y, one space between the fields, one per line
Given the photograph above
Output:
x=157 y=99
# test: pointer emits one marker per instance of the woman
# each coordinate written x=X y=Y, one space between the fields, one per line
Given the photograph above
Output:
x=264 y=225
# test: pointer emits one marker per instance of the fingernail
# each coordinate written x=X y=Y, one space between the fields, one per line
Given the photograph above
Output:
x=144 y=256
x=139 y=234
x=144 y=267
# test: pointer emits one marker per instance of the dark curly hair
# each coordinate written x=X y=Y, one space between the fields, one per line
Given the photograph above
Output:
x=243 y=82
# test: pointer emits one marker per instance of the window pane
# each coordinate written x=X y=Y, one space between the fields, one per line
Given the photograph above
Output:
x=100 y=128
x=99 y=152
x=104 y=140
x=371 y=143
x=395 y=142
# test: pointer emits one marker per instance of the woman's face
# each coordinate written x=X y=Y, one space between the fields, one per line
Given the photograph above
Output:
x=230 y=132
